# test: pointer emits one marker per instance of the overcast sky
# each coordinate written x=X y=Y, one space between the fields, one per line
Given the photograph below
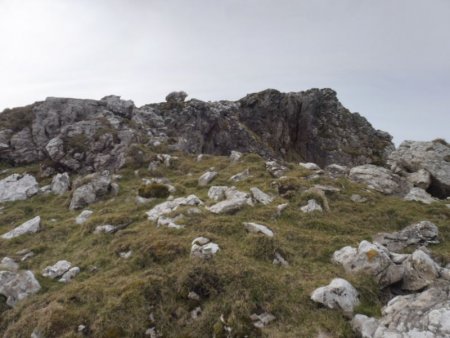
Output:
x=387 y=59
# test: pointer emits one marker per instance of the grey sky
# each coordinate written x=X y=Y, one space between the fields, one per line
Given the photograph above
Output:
x=387 y=59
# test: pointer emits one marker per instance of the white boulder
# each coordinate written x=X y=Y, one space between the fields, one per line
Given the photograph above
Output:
x=31 y=226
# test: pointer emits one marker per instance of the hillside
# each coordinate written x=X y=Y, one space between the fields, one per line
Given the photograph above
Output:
x=258 y=254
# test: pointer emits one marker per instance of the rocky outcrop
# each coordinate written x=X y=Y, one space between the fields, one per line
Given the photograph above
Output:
x=425 y=314
x=92 y=135
x=379 y=179
x=418 y=159
x=18 y=187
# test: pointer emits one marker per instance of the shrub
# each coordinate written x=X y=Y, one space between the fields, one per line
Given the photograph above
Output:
x=155 y=190
x=17 y=118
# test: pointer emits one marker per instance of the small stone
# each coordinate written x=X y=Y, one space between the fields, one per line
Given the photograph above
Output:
x=206 y=178
x=311 y=207
x=235 y=156
x=196 y=313
x=56 y=270
x=83 y=216
x=243 y=175
x=125 y=254
x=260 y=196
x=193 y=296
x=281 y=208
x=9 y=264
x=258 y=228
x=69 y=275
x=107 y=229
x=310 y=166
x=358 y=198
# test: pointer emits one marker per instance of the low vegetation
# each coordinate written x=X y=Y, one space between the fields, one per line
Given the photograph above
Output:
x=118 y=297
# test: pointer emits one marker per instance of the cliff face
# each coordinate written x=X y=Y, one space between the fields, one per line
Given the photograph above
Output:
x=91 y=135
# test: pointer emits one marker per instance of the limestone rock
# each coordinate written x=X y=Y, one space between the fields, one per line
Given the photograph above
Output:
x=309 y=166
x=262 y=320
x=336 y=170
x=107 y=229
x=339 y=294
x=420 y=271
x=419 y=195
x=99 y=186
x=57 y=270
x=69 y=275
x=206 y=178
x=418 y=315
x=83 y=216
x=243 y=175
x=228 y=206
x=170 y=222
x=60 y=183
x=235 y=156
x=358 y=198
x=18 y=187
x=412 y=156
x=421 y=233
x=260 y=196
x=311 y=207
x=31 y=226
x=258 y=228
x=275 y=169
x=176 y=97
x=379 y=179
x=8 y=264
x=203 y=248
x=17 y=285
x=420 y=179
x=169 y=206
x=217 y=193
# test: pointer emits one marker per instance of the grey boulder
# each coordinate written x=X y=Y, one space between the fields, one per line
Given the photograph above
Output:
x=31 y=226
x=18 y=187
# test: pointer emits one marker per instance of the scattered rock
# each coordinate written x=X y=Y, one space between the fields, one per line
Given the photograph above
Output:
x=243 y=175
x=339 y=294
x=260 y=196
x=203 y=248
x=228 y=206
x=358 y=198
x=60 y=184
x=379 y=179
x=311 y=207
x=8 y=264
x=279 y=260
x=417 y=234
x=281 y=208
x=29 y=227
x=99 y=186
x=83 y=216
x=309 y=166
x=262 y=320
x=235 y=156
x=206 y=178
x=169 y=206
x=170 y=222
x=275 y=169
x=258 y=228
x=125 y=254
x=18 y=187
x=193 y=296
x=419 y=195
x=196 y=313
x=17 y=285
x=57 y=270
x=69 y=275
x=107 y=229
x=217 y=193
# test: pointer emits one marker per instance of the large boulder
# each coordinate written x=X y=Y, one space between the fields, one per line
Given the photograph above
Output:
x=379 y=179
x=17 y=285
x=420 y=271
x=17 y=187
x=433 y=157
x=60 y=183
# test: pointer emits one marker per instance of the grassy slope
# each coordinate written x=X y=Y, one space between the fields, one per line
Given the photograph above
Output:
x=116 y=298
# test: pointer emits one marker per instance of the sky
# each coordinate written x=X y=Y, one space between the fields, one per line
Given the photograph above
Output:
x=389 y=60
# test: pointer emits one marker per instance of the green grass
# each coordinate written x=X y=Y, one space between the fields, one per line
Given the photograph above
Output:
x=114 y=297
